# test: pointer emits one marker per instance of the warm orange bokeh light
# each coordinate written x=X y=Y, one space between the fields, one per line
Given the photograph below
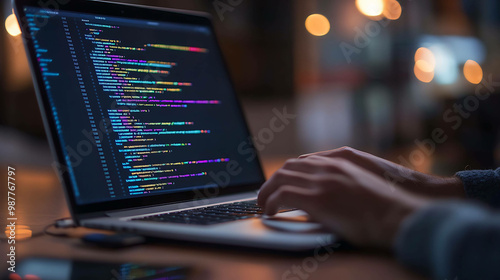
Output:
x=317 y=25
x=425 y=63
x=22 y=232
x=473 y=72
x=12 y=26
x=422 y=76
x=426 y=55
x=392 y=9
x=425 y=66
x=370 y=8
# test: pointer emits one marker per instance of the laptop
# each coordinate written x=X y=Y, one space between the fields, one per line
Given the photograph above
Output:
x=147 y=133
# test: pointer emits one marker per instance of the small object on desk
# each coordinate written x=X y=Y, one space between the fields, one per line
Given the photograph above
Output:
x=118 y=240
x=64 y=223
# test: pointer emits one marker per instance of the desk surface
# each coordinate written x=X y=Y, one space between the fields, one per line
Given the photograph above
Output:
x=40 y=201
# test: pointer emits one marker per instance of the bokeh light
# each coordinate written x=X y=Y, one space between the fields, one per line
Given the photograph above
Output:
x=12 y=26
x=425 y=64
x=371 y=8
x=22 y=232
x=423 y=76
x=317 y=25
x=473 y=72
x=392 y=9
x=428 y=58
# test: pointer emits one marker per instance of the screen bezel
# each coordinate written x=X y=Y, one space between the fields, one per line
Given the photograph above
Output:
x=132 y=12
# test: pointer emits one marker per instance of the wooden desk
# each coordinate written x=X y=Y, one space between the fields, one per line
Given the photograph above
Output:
x=40 y=201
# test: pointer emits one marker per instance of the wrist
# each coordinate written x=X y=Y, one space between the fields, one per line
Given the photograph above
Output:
x=437 y=187
x=451 y=187
x=401 y=207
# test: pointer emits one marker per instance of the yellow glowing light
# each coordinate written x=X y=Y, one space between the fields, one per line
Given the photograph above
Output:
x=371 y=8
x=317 y=25
x=422 y=76
x=424 y=66
x=12 y=26
x=392 y=9
x=425 y=63
x=425 y=54
x=425 y=60
x=473 y=72
x=21 y=232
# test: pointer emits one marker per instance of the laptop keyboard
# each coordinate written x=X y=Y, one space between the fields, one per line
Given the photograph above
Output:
x=212 y=214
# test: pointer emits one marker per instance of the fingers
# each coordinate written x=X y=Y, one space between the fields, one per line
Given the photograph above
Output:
x=283 y=177
x=308 y=174
x=365 y=160
x=313 y=164
x=303 y=173
x=344 y=152
x=324 y=153
x=289 y=196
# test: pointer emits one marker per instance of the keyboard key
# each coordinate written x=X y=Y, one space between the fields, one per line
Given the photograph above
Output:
x=211 y=215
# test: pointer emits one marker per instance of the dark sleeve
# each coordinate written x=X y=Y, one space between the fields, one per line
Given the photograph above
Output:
x=483 y=185
x=451 y=240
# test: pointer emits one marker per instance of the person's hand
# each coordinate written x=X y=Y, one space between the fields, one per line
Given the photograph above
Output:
x=347 y=199
x=398 y=175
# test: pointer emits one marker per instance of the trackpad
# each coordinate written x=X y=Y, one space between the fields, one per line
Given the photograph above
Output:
x=298 y=224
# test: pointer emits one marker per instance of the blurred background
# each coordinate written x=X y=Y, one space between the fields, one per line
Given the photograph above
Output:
x=412 y=81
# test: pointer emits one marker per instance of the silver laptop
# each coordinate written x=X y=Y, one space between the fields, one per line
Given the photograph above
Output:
x=145 y=126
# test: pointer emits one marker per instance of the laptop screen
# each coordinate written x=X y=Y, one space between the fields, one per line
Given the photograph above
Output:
x=141 y=107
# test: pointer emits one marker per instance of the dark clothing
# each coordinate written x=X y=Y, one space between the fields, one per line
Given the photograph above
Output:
x=456 y=240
